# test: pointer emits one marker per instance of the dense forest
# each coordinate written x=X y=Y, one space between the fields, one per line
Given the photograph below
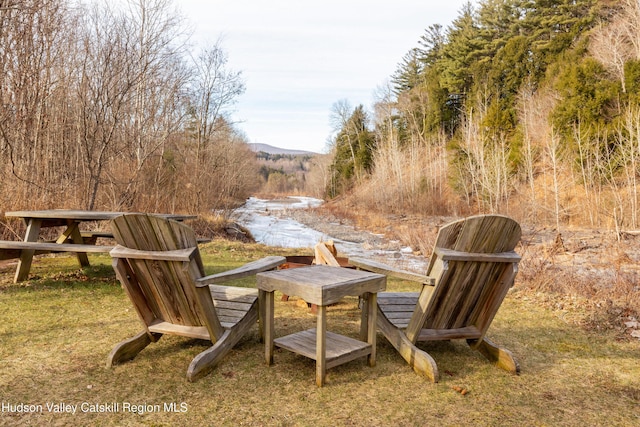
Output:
x=107 y=105
x=526 y=107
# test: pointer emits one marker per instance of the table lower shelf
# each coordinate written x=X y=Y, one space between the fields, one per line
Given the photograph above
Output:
x=339 y=349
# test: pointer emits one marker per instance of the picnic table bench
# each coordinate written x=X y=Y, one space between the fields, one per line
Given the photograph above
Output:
x=13 y=249
x=91 y=237
x=72 y=239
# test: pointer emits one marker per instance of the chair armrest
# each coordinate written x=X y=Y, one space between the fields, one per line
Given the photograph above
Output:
x=387 y=270
x=176 y=255
x=451 y=255
x=249 y=269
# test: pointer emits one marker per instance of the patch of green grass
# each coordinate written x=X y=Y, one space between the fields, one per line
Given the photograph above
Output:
x=57 y=328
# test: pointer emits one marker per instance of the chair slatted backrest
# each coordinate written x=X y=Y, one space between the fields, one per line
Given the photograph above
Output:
x=163 y=290
x=474 y=266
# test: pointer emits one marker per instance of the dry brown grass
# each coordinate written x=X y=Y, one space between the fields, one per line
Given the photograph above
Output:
x=212 y=226
x=57 y=328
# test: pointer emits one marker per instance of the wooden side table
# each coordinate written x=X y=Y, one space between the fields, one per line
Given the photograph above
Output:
x=321 y=285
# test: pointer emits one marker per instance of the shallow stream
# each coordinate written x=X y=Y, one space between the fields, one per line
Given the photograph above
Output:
x=267 y=220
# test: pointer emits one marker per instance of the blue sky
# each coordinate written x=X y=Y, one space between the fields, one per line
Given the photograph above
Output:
x=299 y=58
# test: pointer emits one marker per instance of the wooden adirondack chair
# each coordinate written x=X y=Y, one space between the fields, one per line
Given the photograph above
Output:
x=472 y=267
x=159 y=265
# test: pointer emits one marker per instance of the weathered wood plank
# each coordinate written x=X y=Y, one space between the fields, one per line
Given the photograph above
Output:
x=233 y=293
x=144 y=307
x=419 y=360
x=321 y=284
x=199 y=332
x=398 y=314
x=128 y=349
x=377 y=267
x=230 y=314
x=324 y=255
x=398 y=298
x=453 y=255
x=469 y=332
x=338 y=347
x=397 y=308
x=183 y=255
x=232 y=305
x=249 y=269
x=96 y=233
x=42 y=247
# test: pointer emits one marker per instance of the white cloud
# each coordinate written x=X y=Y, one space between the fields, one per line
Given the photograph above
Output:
x=298 y=57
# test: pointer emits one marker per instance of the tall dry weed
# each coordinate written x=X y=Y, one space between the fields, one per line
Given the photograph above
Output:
x=11 y=228
x=408 y=179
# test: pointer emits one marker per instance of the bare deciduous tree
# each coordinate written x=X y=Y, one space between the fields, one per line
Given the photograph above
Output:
x=94 y=101
x=610 y=45
x=215 y=88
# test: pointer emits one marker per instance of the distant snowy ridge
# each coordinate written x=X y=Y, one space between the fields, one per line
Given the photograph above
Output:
x=275 y=150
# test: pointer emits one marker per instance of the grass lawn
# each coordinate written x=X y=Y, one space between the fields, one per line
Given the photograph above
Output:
x=57 y=328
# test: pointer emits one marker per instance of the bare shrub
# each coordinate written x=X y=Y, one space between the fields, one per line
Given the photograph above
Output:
x=408 y=179
x=11 y=228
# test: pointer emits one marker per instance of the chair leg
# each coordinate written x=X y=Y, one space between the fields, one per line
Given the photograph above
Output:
x=128 y=349
x=204 y=362
x=499 y=356
x=421 y=362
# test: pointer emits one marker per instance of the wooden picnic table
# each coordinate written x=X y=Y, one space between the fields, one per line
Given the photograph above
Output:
x=72 y=235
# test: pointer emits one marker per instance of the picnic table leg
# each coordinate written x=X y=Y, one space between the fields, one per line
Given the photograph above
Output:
x=76 y=237
x=26 y=255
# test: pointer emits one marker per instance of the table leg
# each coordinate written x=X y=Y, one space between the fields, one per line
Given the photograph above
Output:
x=372 y=308
x=268 y=298
x=262 y=299
x=321 y=345
x=26 y=256
x=364 y=317
x=73 y=231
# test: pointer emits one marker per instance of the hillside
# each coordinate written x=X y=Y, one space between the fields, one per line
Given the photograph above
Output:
x=270 y=149
x=527 y=108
